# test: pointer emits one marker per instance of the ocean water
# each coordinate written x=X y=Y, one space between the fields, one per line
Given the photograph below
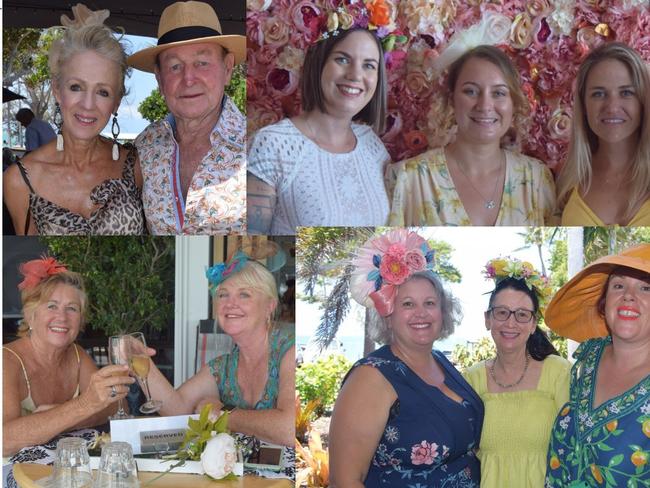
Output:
x=350 y=346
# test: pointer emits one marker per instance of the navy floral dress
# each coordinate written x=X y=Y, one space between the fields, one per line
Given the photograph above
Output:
x=429 y=439
x=605 y=446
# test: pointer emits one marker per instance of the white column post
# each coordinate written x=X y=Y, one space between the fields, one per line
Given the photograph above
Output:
x=191 y=301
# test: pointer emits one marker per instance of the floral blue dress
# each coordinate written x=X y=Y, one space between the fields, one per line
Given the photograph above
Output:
x=429 y=439
x=605 y=446
x=224 y=370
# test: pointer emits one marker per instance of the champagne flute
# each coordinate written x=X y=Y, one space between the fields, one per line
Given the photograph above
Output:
x=139 y=362
x=118 y=354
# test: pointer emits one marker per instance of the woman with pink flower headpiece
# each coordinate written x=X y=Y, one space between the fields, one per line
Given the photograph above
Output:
x=524 y=386
x=606 y=177
x=49 y=384
x=404 y=412
x=325 y=166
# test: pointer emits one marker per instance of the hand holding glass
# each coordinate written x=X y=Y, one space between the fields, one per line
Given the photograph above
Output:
x=118 y=354
x=139 y=362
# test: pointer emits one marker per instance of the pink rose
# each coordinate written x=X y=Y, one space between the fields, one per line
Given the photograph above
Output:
x=306 y=17
x=424 y=453
x=418 y=84
x=266 y=54
x=257 y=5
x=415 y=260
x=281 y=81
x=521 y=31
x=275 y=31
x=393 y=270
x=538 y=7
x=396 y=250
x=559 y=125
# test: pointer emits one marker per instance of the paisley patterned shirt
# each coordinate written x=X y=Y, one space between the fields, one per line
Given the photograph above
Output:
x=216 y=198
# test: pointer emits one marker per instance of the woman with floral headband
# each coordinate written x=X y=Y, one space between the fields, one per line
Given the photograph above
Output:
x=326 y=165
x=602 y=435
x=404 y=412
x=256 y=380
x=83 y=183
x=475 y=180
x=606 y=177
x=524 y=386
x=49 y=384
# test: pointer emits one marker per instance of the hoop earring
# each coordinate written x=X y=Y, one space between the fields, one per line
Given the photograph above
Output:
x=115 y=130
x=58 y=122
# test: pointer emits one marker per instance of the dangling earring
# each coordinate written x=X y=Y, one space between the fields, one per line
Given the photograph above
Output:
x=58 y=122
x=115 y=130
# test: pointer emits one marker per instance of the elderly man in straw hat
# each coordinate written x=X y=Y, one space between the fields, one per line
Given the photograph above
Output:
x=194 y=161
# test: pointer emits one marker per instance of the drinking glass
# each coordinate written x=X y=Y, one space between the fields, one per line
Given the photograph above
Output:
x=139 y=362
x=118 y=353
x=117 y=467
x=71 y=465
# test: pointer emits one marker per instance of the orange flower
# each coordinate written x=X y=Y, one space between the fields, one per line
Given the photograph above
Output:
x=596 y=474
x=611 y=426
x=645 y=427
x=555 y=462
x=639 y=458
x=415 y=140
x=379 y=13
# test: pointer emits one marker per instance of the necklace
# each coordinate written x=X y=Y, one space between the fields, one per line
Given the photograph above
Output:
x=489 y=203
x=494 y=378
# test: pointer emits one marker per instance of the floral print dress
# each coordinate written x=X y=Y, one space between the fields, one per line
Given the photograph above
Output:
x=604 y=446
x=429 y=439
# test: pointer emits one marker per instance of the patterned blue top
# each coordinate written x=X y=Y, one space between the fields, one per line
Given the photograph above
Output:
x=429 y=439
x=604 y=446
x=224 y=370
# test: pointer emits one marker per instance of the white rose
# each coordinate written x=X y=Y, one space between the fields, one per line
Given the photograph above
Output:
x=219 y=456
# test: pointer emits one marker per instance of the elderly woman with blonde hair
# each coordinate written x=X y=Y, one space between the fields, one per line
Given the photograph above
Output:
x=256 y=380
x=49 y=384
x=606 y=177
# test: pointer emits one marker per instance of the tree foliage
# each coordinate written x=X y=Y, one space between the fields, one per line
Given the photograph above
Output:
x=154 y=108
x=321 y=380
x=129 y=280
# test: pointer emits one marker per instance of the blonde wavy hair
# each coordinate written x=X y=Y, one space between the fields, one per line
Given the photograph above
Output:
x=520 y=105
x=36 y=295
x=577 y=171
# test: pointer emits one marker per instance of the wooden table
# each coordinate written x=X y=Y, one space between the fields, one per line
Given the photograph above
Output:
x=27 y=474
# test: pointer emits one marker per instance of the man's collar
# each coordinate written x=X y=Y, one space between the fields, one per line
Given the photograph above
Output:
x=171 y=120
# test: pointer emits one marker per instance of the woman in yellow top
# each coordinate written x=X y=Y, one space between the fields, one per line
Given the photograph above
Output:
x=474 y=180
x=524 y=386
x=606 y=178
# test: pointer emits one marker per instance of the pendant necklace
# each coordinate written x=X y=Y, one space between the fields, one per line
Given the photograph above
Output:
x=494 y=378
x=489 y=203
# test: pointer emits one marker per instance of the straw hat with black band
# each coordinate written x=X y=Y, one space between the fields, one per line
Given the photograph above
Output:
x=184 y=23
x=573 y=311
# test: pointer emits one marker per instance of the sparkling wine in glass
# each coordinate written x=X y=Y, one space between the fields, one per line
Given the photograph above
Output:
x=118 y=354
x=139 y=362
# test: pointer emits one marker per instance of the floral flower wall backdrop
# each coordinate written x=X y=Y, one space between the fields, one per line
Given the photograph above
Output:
x=547 y=39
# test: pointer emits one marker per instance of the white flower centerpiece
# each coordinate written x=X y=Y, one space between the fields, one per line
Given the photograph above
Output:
x=209 y=442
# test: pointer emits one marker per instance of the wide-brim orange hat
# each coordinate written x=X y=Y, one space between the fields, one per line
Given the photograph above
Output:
x=573 y=310
x=185 y=23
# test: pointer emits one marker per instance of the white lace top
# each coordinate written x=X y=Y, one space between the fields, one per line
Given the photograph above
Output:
x=318 y=188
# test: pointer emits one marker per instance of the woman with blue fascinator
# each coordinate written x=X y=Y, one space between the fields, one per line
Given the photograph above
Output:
x=255 y=381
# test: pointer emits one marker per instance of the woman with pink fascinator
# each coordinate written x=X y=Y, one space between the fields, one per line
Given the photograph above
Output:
x=49 y=384
x=404 y=412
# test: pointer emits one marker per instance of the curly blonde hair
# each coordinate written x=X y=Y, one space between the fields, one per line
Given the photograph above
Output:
x=577 y=171
x=36 y=295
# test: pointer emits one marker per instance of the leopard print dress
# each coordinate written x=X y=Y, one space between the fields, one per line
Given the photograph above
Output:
x=120 y=209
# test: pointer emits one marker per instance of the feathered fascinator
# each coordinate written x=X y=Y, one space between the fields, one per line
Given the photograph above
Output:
x=37 y=270
x=501 y=268
x=250 y=248
x=383 y=263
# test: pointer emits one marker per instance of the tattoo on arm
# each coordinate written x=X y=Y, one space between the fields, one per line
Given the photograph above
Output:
x=260 y=200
